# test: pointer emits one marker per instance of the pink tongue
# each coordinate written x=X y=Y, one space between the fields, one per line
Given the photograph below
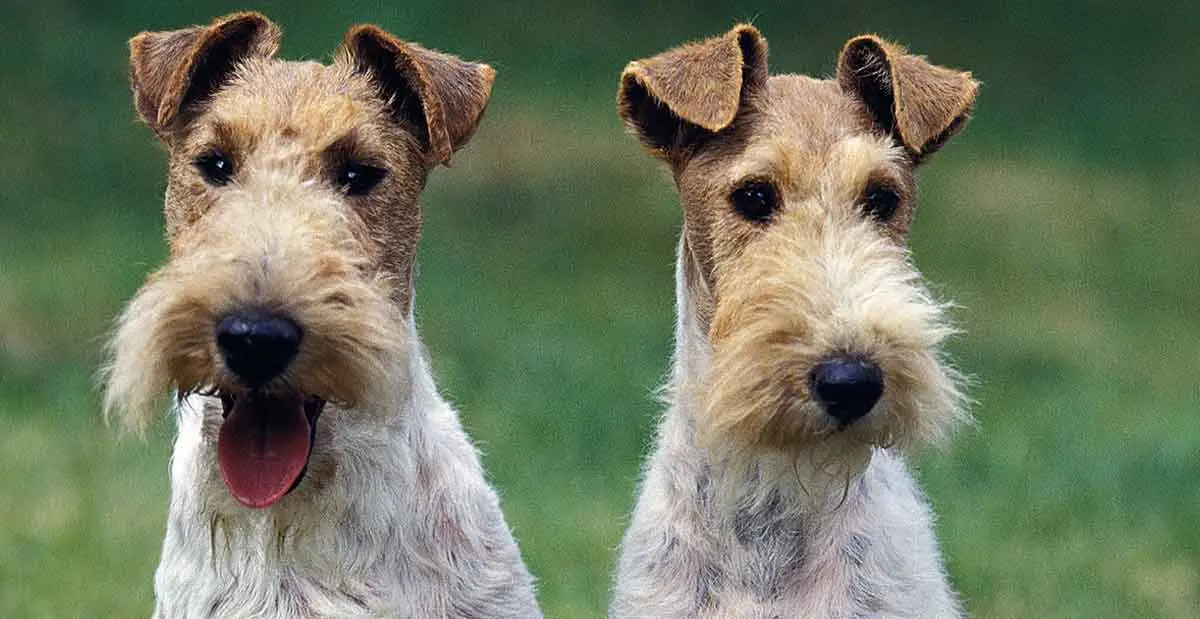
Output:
x=263 y=448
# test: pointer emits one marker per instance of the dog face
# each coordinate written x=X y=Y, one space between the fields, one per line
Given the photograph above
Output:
x=798 y=194
x=292 y=218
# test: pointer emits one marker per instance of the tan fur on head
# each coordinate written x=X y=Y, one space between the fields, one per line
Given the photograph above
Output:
x=821 y=284
x=281 y=234
x=820 y=277
x=291 y=255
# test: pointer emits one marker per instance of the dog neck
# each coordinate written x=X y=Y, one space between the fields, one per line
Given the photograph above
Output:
x=773 y=526
x=389 y=499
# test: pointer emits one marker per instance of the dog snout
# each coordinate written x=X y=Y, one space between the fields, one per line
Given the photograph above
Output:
x=847 y=387
x=257 y=346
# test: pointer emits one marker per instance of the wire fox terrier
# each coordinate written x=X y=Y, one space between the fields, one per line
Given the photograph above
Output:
x=807 y=348
x=317 y=472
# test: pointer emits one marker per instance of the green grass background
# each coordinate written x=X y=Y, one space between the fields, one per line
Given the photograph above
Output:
x=1064 y=221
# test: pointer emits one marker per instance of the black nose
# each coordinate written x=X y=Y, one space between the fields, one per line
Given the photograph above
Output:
x=847 y=387
x=257 y=346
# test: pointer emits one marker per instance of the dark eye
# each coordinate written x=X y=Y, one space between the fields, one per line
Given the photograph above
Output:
x=881 y=202
x=216 y=167
x=756 y=201
x=358 y=179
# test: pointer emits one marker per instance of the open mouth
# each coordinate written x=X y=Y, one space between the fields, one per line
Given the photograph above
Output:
x=265 y=443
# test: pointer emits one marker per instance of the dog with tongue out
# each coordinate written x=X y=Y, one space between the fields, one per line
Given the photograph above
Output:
x=266 y=438
x=317 y=472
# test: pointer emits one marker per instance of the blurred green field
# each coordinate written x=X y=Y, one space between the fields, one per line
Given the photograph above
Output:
x=1064 y=221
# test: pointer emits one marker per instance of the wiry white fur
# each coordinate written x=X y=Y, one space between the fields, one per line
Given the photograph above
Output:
x=834 y=529
x=400 y=523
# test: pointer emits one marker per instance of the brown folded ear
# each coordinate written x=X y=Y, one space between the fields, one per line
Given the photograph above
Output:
x=922 y=104
x=442 y=96
x=175 y=69
x=678 y=95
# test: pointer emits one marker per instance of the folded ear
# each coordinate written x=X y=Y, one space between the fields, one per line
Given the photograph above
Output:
x=442 y=96
x=673 y=98
x=172 y=70
x=920 y=103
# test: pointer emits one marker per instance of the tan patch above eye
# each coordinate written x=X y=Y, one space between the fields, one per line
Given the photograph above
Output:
x=855 y=161
x=326 y=118
x=776 y=160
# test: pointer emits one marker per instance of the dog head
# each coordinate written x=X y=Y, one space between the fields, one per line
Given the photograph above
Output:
x=292 y=219
x=798 y=194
